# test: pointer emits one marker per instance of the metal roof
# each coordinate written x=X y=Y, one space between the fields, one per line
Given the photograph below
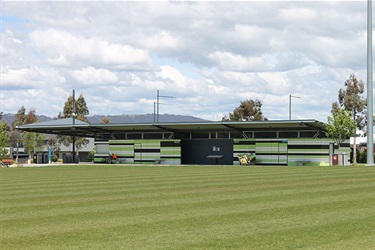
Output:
x=104 y=131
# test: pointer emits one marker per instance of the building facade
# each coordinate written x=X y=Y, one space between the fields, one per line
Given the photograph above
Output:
x=284 y=143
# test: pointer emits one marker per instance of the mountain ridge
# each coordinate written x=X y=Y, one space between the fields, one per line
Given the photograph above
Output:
x=124 y=118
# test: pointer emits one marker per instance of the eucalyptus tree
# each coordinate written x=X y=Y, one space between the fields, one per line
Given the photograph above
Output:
x=4 y=136
x=32 y=142
x=81 y=112
x=248 y=110
x=350 y=98
x=4 y=124
x=4 y=142
x=16 y=135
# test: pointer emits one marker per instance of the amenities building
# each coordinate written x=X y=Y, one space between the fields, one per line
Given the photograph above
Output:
x=285 y=143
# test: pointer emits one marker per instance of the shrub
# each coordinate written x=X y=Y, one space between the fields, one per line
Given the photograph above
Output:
x=54 y=158
x=91 y=156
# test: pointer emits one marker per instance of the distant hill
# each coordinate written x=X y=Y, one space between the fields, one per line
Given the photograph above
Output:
x=95 y=119
x=147 y=118
x=9 y=118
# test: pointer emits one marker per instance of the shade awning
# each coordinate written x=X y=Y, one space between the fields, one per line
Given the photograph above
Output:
x=104 y=131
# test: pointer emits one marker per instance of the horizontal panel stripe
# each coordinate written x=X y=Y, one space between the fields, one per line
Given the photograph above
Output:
x=308 y=154
x=309 y=146
x=172 y=155
x=237 y=143
x=170 y=144
x=121 y=142
x=147 y=150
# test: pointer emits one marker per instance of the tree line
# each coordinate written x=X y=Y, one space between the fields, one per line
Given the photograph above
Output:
x=13 y=138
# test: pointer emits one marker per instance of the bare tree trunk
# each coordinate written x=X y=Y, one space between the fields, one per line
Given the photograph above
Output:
x=355 y=140
x=355 y=149
x=18 y=148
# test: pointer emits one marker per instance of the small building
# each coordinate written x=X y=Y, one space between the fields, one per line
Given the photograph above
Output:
x=285 y=143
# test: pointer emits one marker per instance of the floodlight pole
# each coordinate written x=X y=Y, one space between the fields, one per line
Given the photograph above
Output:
x=157 y=104
x=74 y=121
x=290 y=105
x=370 y=113
x=154 y=112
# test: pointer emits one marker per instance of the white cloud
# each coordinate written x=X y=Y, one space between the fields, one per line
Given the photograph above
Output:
x=160 y=41
x=232 y=62
x=298 y=14
x=91 y=76
x=210 y=55
x=29 y=78
x=61 y=48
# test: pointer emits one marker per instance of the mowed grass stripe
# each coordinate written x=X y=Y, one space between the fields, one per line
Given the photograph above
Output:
x=145 y=193
x=173 y=209
x=142 y=174
x=230 y=226
x=205 y=216
x=232 y=191
x=210 y=212
x=83 y=182
x=67 y=176
x=165 y=192
x=103 y=204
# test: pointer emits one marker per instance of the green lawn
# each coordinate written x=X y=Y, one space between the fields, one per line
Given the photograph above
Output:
x=187 y=207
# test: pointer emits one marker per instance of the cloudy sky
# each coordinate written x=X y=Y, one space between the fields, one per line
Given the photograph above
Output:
x=208 y=55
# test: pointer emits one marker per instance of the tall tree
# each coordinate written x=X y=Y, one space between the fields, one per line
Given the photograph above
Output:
x=81 y=112
x=80 y=107
x=16 y=134
x=249 y=110
x=340 y=126
x=4 y=142
x=32 y=142
x=350 y=98
x=31 y=117
x=4 y=124
x=4 y=137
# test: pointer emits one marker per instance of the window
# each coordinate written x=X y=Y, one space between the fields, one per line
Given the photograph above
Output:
x=133 y=136
x=265 y=134
x=288 y=134
x=308 y=134
x=153 y=136
x=201 y=135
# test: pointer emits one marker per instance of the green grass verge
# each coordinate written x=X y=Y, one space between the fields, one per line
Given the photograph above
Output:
x=187 y=207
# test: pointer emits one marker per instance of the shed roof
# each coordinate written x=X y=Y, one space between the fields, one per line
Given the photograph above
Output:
x=104 y=131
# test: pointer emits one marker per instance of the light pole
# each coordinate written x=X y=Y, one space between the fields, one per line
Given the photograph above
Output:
x=158 y=96
x=154 y=112
x=74 y=122
x=370 y=113
x=290 y=105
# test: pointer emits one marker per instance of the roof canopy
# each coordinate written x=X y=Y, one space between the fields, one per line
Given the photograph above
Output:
x=106 y=131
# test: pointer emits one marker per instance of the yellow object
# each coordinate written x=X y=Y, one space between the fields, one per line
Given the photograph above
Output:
x=243 y=161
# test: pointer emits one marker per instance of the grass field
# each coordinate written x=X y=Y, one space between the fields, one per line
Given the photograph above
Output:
x=187 y=207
